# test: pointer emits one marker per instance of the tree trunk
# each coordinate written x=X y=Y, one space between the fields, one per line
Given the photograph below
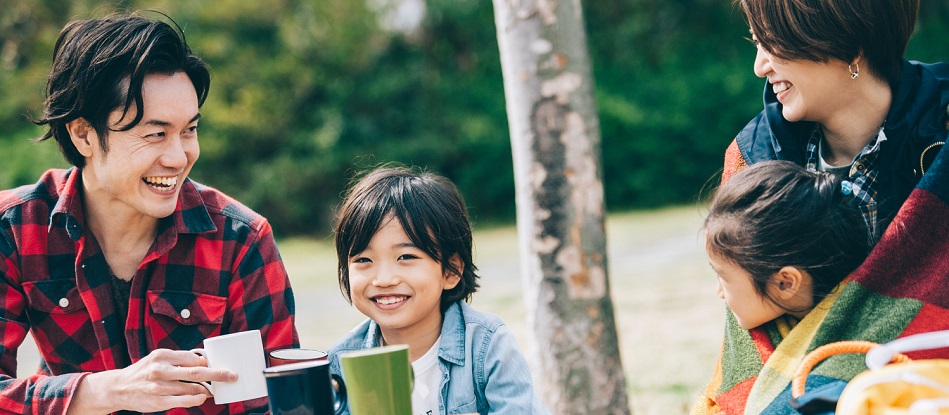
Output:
x=560 y=208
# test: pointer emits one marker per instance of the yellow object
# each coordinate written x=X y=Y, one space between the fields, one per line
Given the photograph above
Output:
x=919 y=387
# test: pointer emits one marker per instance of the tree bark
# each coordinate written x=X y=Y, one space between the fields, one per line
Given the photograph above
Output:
x=560 y=208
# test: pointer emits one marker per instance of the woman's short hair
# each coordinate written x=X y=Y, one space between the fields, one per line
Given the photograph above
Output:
x=820 y=30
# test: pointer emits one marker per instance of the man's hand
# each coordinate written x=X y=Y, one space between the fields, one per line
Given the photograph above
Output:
x=158 y=382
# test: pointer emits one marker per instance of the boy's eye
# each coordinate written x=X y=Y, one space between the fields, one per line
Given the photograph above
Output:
x=407 y=256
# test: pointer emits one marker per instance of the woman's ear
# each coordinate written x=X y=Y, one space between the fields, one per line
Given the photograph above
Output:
x=789 y=282
x=82 y=135
x=451 y=277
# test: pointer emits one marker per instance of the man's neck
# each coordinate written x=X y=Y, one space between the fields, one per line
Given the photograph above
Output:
x=124 y=234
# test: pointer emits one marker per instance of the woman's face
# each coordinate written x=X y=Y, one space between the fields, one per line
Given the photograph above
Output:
x=808 y=90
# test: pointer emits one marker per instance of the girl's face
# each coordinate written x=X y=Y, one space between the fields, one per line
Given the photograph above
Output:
x=397 y=284
x=736 y=287
x=808 y=90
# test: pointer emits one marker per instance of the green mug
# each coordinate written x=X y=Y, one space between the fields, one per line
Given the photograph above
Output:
x=378 y=380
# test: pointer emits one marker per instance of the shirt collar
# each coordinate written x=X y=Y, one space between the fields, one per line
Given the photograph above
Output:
x=452 y=346
x=190 y=216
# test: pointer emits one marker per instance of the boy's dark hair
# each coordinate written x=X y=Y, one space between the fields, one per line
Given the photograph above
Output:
x=99 y=66
x=430 y=209
x=820 y=30
x=775 y=214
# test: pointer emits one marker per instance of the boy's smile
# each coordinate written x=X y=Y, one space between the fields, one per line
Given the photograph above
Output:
x=389 y=301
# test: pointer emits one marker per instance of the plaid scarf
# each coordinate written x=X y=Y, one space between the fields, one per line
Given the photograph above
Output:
x=900 y=290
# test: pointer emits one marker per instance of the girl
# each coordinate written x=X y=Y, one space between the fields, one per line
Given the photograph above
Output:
x=781 y=238
x=403 y=241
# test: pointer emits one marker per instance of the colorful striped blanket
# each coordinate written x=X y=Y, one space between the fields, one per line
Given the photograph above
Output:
x=901 y=289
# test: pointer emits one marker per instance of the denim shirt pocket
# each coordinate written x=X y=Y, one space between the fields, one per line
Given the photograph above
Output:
x=183 y=319
x=461 y=396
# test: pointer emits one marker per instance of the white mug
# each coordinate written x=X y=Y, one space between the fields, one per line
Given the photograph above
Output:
x=243 y=353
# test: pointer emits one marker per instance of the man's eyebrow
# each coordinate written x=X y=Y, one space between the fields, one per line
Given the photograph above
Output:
x=161 y=123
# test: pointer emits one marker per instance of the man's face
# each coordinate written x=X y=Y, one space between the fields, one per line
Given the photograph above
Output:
x=144 y=168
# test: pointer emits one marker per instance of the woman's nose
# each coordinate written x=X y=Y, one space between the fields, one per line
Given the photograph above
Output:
x=762 y=63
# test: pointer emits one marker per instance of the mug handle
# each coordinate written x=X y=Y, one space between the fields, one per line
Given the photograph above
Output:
x=207 y=385
x=339 y=396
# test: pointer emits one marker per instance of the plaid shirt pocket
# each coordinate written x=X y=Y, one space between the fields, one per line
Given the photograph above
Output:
x=181 y=320
x=61 y=323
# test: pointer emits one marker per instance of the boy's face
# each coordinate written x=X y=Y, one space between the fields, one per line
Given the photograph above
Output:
x=398 y=285
x=736 y=287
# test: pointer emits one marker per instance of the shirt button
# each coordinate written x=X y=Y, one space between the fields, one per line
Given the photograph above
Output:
x=185 y=313
x=846 y=187
x=64 y=302
x=860 y=167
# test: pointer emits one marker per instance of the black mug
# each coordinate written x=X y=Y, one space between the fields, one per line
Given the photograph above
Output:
x=305 y=388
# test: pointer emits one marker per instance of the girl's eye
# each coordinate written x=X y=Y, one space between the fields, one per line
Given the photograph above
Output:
x=407 y=256
x=360 y=260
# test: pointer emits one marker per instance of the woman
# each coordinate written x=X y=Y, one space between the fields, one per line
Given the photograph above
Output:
x=840 y=97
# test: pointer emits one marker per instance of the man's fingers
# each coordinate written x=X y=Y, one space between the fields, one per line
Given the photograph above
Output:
x=195 y=388
x=202 y=374
x=183 y=401
x=179 y=357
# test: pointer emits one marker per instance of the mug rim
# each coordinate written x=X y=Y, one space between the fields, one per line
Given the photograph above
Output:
x=374 y=351
x=293 y=368
x=322 y=354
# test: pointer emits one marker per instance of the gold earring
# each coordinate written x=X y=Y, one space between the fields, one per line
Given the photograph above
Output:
x=854 y=73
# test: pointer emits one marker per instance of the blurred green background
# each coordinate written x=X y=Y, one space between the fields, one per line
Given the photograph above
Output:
x=306 y=92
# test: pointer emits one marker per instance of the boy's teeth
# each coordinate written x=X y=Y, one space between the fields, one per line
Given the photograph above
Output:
x=389 y=300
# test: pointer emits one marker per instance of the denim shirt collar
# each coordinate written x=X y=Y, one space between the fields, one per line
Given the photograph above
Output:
x=452 y=347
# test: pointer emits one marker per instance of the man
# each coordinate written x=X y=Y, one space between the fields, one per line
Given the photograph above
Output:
x=121 y=265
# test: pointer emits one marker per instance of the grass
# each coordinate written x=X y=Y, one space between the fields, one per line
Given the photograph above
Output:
x=669 y=320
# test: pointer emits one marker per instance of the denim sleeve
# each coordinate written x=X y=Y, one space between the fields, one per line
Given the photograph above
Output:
x=507 y=378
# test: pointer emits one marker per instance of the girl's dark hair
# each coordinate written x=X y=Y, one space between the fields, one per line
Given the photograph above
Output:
x=775 y=214
x=430 y=209
x=820 y=30
x=99 y=66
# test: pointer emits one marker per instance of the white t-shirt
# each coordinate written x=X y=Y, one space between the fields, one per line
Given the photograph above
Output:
x=427 y=381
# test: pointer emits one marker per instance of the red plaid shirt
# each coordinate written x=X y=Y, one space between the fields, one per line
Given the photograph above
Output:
x=213 y=257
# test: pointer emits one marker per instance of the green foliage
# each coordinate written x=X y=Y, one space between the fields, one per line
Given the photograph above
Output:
x=307 y=92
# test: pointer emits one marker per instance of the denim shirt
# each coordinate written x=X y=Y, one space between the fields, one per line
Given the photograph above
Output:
x=474 y=345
